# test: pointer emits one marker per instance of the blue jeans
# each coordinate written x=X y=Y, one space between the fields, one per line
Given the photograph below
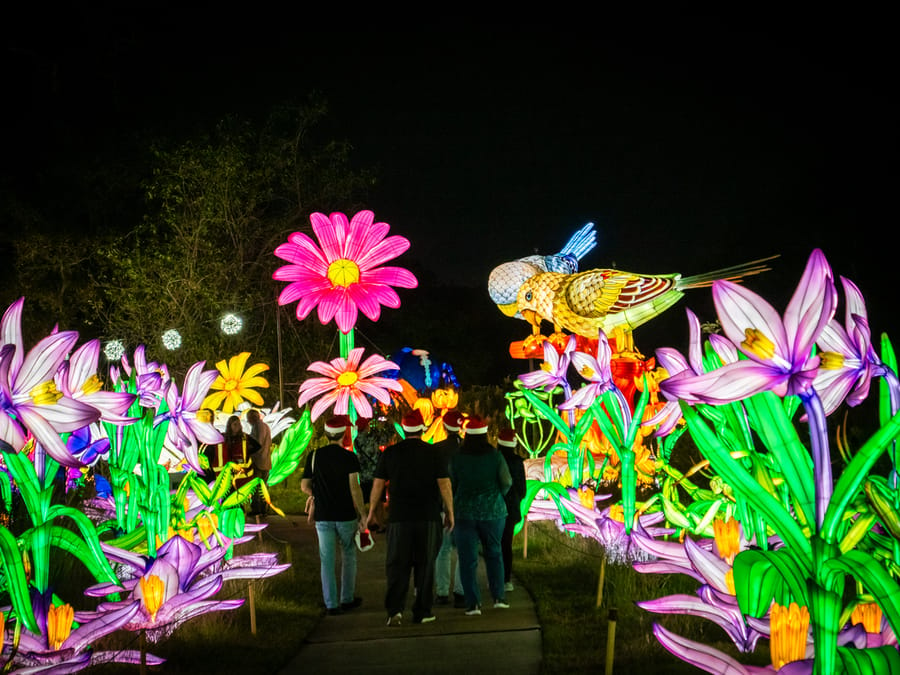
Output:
x=468 y=534
x=329 y=533
x=442 y=569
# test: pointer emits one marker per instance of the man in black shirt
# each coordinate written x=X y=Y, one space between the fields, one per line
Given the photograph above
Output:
x=331 y=477
x=417 y=481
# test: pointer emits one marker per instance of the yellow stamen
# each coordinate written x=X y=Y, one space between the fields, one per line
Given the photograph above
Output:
x=617 y=512
x=26 y=565
x=587 y=372
x=46 y=393
x=348 y=378
x=343 y=272
x=790 y=630
x=207 y=525
x=869 y=615
x=92 y=385
x=831 y=360
x=153 y=590
x=728 y=538
x=758 y=343
x=586 y=497
x=59 y=625
x=546 y=367
x=231 y=384
x=729 y=581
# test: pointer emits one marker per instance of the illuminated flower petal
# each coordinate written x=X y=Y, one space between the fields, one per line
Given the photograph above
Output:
x=342 y=277
x=346 y=380
x=234 y=385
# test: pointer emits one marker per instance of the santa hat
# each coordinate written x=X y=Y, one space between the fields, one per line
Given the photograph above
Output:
x=337 y=424
x=476 y=425
x=413 y=422
x=508 y=438
x=452 y=420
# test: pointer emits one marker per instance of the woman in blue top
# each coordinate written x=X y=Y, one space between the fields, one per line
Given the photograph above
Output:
x=480 y=478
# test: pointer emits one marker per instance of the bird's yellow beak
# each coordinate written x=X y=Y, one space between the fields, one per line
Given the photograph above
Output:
x=510 y=309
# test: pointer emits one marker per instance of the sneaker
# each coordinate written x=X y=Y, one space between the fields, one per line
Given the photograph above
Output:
x=334 y=611
x=501 y=604
x=347 y=606
x=442 y=600
x=395 y=620
x=425 y=619
x=459 y=601
x=474 y=611
x=508 y=586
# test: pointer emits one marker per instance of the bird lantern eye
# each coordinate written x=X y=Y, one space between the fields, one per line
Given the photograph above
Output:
x=528 y=296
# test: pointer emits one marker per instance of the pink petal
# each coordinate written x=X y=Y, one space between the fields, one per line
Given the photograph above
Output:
x=390 y=276
x=386 y=250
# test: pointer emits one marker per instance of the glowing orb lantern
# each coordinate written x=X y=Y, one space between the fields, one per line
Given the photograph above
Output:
x=231 y=324
x=171 y=339
x=114 y=350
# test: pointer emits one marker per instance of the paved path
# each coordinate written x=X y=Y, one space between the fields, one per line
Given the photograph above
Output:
x=498 y=641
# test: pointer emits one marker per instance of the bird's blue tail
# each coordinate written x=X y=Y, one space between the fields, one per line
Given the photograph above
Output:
x=580 y=243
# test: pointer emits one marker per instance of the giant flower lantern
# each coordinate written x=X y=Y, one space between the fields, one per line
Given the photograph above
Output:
x=341 y=276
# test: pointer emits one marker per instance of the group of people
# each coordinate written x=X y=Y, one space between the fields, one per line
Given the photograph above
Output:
x=252 y=450
x=461 y=494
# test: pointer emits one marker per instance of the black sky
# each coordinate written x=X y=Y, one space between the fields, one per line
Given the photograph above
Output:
x=692 y=143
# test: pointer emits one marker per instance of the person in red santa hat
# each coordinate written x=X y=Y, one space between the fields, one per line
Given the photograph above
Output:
x=448 y=447
x=331 y=478
x=507 y=444
x=417 y=482
x=480 y=479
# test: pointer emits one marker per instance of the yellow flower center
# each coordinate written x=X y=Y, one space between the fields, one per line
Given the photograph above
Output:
x=728 y=538
x=586 y=497
x=231 y=384
x=92 y=385
x=153 y=589
x=348 y=378
x=546 y=367
x=46 y=393
x=831 y=360
x=790 y=629
x=617 y=512
x=343 y=272
x=587 y=372
x=758 y=343
x=869 y=615
x=59 y=625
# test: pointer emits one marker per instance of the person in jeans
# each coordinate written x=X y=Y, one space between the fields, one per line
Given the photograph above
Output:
x=416 y=479
x=480 y=479
x=452 y=420
x=331 y=477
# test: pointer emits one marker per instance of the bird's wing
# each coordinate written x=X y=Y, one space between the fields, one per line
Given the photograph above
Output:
x=596 y=293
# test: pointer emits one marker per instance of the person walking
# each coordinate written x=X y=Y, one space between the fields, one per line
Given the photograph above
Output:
x=331 y=478
x=417 y=482
x=507 y=444
x=261 y=459
x=480 y=480
x=452 y=421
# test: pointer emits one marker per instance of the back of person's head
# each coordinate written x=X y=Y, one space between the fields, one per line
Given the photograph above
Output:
x=336 y=426
x=507 y=438
x=452 y=420
x=253 y=416
x=476 y=435
x=413 y=424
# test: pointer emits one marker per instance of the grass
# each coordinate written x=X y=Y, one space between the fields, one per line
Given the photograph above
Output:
x=560 y=572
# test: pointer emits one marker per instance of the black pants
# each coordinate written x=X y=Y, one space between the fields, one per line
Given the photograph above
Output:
x=506 y=546
x=411 y=547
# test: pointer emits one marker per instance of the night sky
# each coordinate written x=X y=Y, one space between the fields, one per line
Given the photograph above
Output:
x=692 y=143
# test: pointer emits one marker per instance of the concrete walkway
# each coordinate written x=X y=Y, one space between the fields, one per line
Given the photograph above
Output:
x=498 y=641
